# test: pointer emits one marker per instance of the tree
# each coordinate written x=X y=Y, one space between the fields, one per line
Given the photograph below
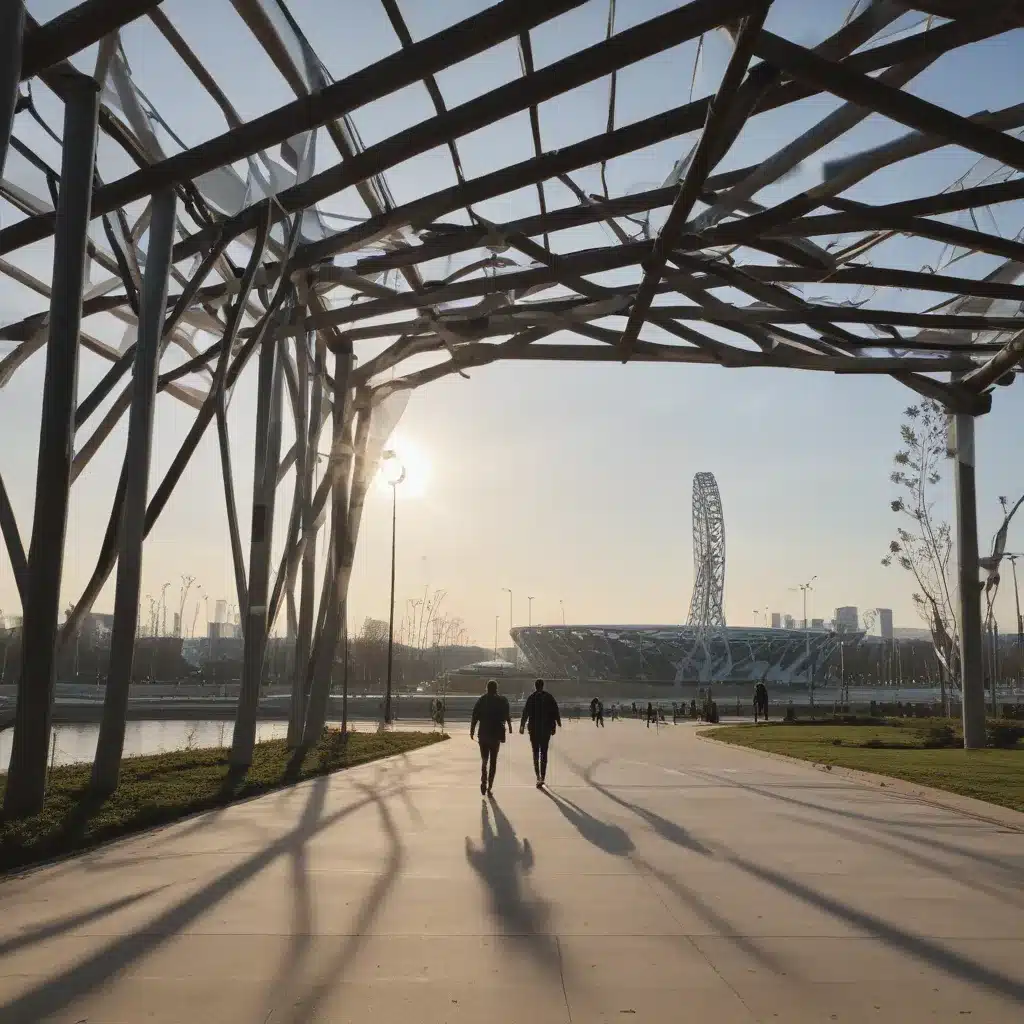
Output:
x=923 y=544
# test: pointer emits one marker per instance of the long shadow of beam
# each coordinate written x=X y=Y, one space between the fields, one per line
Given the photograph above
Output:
x=677 y=835
x=303 y=1007
x=669 y=830
x=938 y=867
x=302 y=904
x=886 y=823
x=610 y=838
x=923 y=949
x=66 y=924
x=54 y=994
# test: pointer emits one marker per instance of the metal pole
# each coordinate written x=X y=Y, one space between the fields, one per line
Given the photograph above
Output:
x=12 y=31
x=529 y=611
x=496 y=618
x=972 y=679
x=391 y=616
x=266 y=460
x=106 y=766
x=26 y=781
x=1020 y=622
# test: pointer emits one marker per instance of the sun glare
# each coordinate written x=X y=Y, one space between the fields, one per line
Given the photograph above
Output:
x=416 y=464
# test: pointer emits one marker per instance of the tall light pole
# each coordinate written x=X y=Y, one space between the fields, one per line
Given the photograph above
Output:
x=529 y=611
x=496 y=618
x=804 y=587
x=561 y=604
x=509 y=612
x=395 y=474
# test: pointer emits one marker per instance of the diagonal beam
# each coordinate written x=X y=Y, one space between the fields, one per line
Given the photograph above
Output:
x=896 y=104
x=76 y=29
x=450 y=46
x=719 y=133
x=579 y=68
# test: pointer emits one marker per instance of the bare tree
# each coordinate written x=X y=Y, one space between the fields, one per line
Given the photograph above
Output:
x=923 y=544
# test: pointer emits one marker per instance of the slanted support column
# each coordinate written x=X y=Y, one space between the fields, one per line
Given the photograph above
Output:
x=972 y=675
x=26 y=782
x=107 y=765
x=264 y=492
x=12 y=33
x=333 y=598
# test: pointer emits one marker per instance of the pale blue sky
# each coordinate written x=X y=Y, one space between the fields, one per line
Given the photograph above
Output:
x=565 y=481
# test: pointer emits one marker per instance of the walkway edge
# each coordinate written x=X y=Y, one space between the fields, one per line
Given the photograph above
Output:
x=970 y=806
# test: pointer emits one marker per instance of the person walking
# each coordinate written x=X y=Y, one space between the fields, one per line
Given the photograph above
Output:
x=491 y=713
x=761 y=701
x=650 y=714
x=541 y=717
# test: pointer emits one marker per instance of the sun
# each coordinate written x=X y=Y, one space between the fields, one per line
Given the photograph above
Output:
x=416 y=464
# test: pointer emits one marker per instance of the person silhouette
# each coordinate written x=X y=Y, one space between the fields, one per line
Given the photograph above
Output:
x=541 y=717
x=490 y=713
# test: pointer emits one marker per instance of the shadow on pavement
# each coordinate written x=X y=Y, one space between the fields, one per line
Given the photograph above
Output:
x=942 y=869
x=62 y=925
x=610 y=838
x=503 y=862
x=669 y=830
x=923 y=949
x=54 y=994
x=293 y=1003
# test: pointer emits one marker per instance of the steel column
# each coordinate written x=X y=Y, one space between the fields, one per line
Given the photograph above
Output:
x=107 y=764
x=333 y=597
x=264 y=493
x=12 y=32
x=972 y=674
x=26 y=782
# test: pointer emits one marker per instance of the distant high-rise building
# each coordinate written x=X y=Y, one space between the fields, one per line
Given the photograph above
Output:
x=885 y=623
x=789 y=622
x=817 y=623
x=220 y=611
x=776 y=620
x=847 y=620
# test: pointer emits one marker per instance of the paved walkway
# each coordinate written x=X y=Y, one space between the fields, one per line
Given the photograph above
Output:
x=663 y=878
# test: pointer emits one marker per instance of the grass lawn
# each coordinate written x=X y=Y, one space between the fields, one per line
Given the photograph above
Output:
x=993 y=775
x=160 y=788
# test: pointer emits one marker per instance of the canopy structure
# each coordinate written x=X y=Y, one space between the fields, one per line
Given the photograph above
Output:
x=185 y=188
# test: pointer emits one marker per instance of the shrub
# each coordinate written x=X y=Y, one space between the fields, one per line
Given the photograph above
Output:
x=1004 y=735
x=940 y=736
x=874 y=743
x=837 y=741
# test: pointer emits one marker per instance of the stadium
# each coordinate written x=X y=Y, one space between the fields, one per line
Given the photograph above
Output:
x=703 y=650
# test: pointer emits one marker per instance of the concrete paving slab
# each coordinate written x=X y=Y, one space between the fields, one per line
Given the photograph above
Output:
x=662 y=878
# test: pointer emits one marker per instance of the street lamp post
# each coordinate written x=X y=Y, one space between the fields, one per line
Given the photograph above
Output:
x=804 y=587
x=509 y=612
x=394 y=478
x=496 y=618
x=529 y=611
x=561 y=604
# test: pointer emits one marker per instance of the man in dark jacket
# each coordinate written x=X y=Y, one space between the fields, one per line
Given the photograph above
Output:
x=541 y=717
x=491 y=713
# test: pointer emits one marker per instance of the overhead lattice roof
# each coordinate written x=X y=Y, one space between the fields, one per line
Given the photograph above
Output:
x=722 y=181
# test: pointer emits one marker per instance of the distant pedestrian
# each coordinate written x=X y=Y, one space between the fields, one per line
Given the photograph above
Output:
x=597 y=712
x=541 y=717
x=760 y=702
x=491 y=714
x=650 y=714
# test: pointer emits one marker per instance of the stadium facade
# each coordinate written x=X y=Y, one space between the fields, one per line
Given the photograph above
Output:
x=704 y=650
x=679 y=654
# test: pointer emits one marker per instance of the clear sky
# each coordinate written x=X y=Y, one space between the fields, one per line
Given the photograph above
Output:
x=568 y=482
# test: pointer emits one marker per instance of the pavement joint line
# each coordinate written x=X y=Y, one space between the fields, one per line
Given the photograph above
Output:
x=991 y=814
